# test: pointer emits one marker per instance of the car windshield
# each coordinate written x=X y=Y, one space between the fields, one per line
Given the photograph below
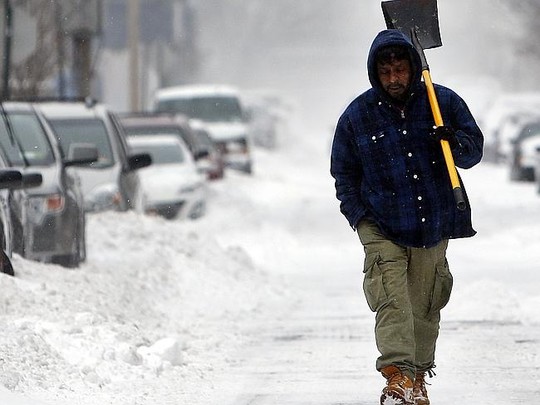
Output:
x=530 y=131
x=91 y=130
x=29 y=145
x=161 y=154
x=209 y=109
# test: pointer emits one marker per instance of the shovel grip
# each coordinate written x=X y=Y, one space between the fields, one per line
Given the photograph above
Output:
x=460 y=199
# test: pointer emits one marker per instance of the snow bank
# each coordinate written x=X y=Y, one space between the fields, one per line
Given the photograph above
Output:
x=143 y=306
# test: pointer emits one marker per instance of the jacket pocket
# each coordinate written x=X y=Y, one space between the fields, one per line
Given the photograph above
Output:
x=373 y=282
x=442 y=288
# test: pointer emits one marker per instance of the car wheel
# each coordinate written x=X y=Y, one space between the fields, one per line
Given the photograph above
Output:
x=82 y=242
x=169 y=212
x=70 y=260
x=5 y=264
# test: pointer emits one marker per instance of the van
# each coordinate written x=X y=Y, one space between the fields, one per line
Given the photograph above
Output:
x=220 y=109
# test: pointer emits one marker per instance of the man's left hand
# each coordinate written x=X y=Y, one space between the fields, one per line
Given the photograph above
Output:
x=446 y=133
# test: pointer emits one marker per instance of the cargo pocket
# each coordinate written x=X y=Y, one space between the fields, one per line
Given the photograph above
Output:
x=442 y=288
x=373 y=282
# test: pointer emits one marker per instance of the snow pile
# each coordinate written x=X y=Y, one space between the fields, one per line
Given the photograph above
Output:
x=144 y=305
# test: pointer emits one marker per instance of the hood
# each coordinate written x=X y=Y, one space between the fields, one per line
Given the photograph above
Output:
x=169 y=176
x=386 y=38
x=223 y=131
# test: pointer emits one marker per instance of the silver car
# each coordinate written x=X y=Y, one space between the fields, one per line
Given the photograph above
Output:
x=48 y=220
x=110 y=183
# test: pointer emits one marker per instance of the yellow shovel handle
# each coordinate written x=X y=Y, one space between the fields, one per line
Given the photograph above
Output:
x=449 y=159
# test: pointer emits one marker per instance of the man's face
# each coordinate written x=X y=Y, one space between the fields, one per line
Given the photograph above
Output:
x=395 y=77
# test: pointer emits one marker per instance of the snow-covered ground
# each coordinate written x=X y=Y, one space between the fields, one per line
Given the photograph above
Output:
x=260 y=301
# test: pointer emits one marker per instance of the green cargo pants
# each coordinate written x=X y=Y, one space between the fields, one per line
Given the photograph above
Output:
x=407 y=288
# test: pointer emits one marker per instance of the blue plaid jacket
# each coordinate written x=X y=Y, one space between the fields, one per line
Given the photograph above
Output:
x=387 y=166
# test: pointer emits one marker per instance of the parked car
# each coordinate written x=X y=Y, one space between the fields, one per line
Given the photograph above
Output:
x=206 y=155
x=523 y=154
x=220 y=108
x=173 y=187
x=49 y=220
x=268 y=116
x=503 y=120
x=110 y=183
x=213 y=164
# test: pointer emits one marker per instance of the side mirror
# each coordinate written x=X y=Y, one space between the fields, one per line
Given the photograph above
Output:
x=12 y=179
x=30 y=180
x=80 y=154
x=200 y=154
x=139 y=160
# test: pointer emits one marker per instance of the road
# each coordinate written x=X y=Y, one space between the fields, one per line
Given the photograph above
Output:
x=322 y=349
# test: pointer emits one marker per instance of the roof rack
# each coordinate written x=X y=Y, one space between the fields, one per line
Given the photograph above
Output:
x=142 y=114
x=89 y=101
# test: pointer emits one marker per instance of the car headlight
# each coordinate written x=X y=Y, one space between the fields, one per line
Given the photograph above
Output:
x=102 y=198
x=39 y=206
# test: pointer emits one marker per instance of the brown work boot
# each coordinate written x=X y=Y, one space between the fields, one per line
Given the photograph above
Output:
x=399 y=387
x=419 y=389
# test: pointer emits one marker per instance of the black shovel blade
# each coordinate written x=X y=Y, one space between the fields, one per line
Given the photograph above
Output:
x=418 y=15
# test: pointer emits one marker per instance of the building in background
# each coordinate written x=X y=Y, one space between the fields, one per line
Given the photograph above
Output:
x=166 y=51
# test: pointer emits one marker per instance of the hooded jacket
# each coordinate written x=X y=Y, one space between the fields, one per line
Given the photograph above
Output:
x=388 y=167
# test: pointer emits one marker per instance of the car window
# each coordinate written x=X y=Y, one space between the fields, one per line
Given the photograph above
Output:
x=150 y=130
x=210 y=109
x=29 y=139
x=529 y=132
x=90 y=130
x=120 y=137
x=162 y=154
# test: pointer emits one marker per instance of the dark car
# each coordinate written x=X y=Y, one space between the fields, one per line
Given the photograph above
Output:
x=112 y=182
x=207 y=157
x=49 y=220
x=524 y=152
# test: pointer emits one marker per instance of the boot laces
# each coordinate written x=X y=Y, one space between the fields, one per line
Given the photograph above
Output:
x=420 y=382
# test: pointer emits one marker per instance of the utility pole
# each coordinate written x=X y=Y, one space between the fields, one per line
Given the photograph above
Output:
x=82 y=61
x=133 y=42
x=60 y=48
x=8 y=36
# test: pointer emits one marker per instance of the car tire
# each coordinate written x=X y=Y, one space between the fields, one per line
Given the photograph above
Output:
x=72 y=260
x=5 y=264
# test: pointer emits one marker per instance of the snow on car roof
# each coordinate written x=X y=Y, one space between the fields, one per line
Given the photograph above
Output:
x=196 y=91
x=70 y=109
x=155 y=140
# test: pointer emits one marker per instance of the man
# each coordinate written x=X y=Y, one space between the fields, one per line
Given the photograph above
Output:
x=392 y=181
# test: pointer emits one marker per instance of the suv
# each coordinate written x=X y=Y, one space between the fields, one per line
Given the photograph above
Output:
x=220 y=109
x=523 y=154
x=110 y=183
x=205 y=154
x=49 y=221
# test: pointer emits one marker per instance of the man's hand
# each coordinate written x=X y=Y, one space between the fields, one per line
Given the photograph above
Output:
x=446 y=133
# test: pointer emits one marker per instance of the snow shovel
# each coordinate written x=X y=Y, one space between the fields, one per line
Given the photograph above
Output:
x=419 y=20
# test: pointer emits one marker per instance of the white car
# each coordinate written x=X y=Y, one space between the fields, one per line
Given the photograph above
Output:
x=220 y=109
x=172 y=186
x=110 y=183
